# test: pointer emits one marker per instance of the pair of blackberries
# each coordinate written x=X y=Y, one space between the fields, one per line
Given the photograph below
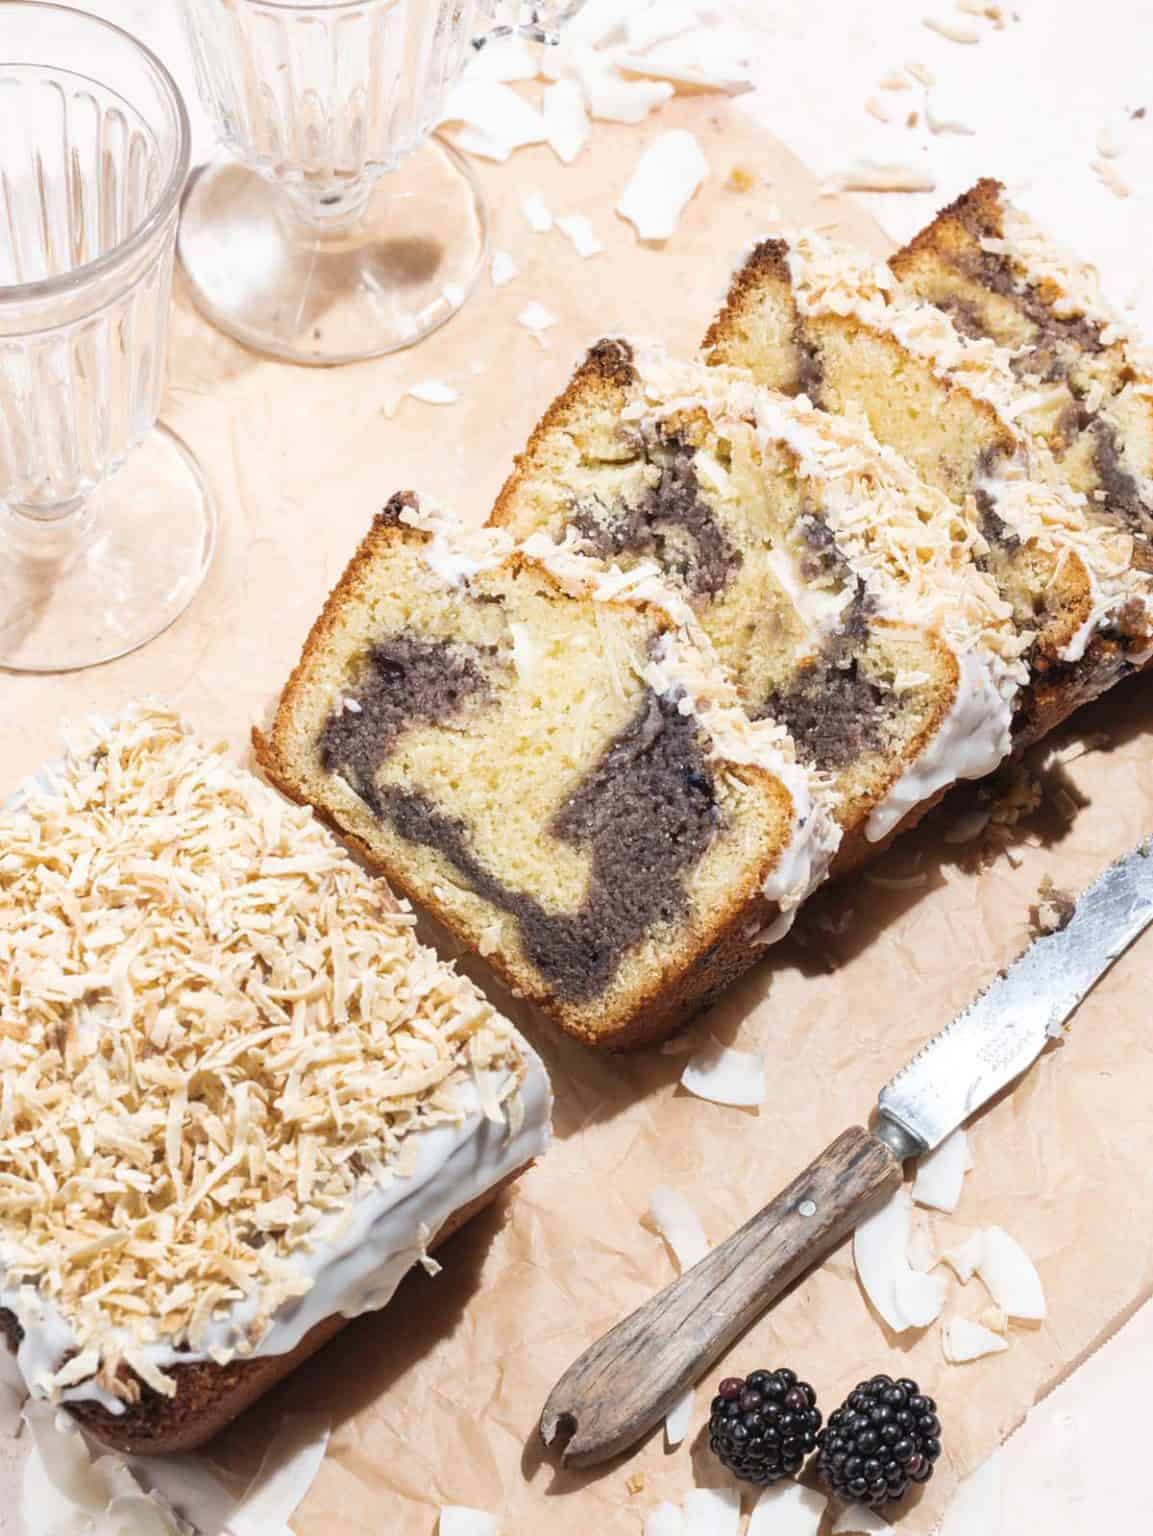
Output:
x=884 y=1436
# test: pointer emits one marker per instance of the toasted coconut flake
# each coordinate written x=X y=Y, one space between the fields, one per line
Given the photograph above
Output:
x=676 y=1221
x=876 y=108
x=788 y=1509
x=300 y=1058
x=725 y=1076
x=1010 y=1276
x=679 y=1419
x=459 y=1520
x=902 y=1296
x=712 y=1512
x=963 y=1340
x=941 y=1173
x=666 y=177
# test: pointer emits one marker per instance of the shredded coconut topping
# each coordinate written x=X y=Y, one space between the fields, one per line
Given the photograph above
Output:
x=215 y=1029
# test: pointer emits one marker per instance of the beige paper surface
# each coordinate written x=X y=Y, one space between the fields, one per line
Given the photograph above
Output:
x=435 y=1401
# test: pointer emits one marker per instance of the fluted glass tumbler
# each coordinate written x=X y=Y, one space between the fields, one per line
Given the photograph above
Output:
x=106 y=528
x=336 y=227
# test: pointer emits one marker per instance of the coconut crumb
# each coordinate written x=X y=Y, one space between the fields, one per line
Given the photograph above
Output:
x=741 y=179
x=1053 y=909
x=875 y=107
x=895 y=81
x=912 y=120
x=637 y=1483
x=1108 y=173
x=921 y=73
x=218 y=1030
x=951 y=30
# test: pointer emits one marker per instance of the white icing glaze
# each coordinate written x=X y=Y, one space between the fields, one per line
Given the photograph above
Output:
x=356 y=1259
x=974 y=737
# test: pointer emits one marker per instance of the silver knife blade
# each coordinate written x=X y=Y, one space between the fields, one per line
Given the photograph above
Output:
x=1006 y=1027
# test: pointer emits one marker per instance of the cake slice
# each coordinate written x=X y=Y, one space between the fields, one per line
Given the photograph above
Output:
x=238 y=1100
x=837 y=590
x=809 y=317
x=1086 y=390
x=548 y=761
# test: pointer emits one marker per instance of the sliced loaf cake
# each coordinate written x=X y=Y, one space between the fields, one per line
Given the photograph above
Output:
x=1086 y=390
x=548 y=760
x=839 y=592
x=835 y=324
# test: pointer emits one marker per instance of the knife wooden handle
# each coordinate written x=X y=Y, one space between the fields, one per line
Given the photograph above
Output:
x=626 y=1382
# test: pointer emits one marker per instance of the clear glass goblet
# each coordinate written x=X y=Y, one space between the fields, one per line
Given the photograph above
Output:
x=336 y=227
x=106 y=528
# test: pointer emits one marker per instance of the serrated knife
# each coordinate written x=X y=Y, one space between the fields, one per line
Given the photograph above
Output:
x=625 y=1383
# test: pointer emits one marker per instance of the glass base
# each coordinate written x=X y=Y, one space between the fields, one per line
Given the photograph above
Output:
x=112 y=575
x=344 y=282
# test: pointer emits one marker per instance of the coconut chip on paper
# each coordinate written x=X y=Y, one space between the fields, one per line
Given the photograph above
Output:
x=860 y=1520
x=904 y=1297
x=537 y=213
x=712 y=1512
x=566 y=119
x=662 y=185
x=578 y=229
x=725 y=1076
x=963 y=1340
x=941 y=1173
x=787 y=1509
x=503 y=270
x=678 y=1420
x=1010 y=1276
x=671 y=1215
x=459 y=1520
x=433 y=392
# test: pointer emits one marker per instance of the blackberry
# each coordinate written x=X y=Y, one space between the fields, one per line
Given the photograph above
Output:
x=763 y=1425
x=884 y=1436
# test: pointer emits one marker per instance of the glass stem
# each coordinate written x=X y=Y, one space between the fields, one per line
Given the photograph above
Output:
x=333 y=209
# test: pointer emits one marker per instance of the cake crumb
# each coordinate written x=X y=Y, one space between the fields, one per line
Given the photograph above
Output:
x=1108 y=173
x=1052 y=910
x=1138 y=113
x=637 y=1483
x=876 y=108
x=741 y=179
x=912 y=120
x=950 y=30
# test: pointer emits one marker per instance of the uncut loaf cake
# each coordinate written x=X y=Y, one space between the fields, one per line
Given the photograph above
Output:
x=839 y=592
x=238 y=1100
x=833 y=324
x=550 y=761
